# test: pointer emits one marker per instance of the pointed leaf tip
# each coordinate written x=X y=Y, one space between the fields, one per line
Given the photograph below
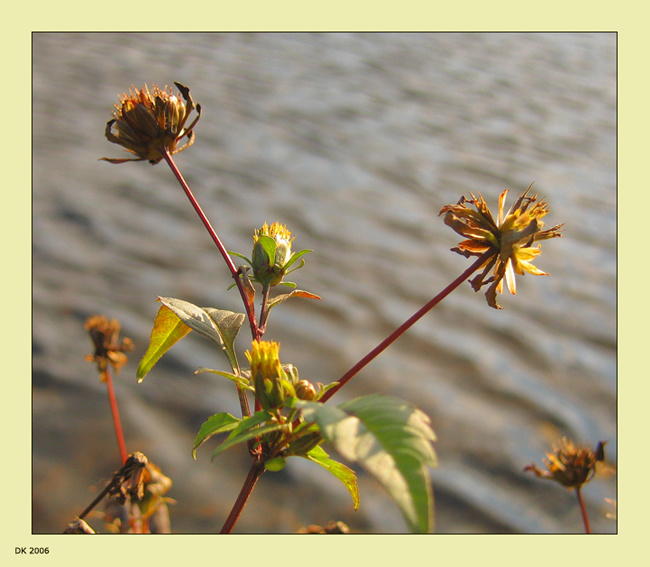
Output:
x=167 y=330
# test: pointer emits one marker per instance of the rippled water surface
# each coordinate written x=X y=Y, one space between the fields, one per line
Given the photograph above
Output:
x=355 y=142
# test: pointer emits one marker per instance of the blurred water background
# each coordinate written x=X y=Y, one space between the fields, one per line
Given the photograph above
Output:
x=355 y=141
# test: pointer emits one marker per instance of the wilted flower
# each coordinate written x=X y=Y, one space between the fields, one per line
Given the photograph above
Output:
x=137 y=496
x=105 y=335
x=272 y=385
x=570 y=465
x=510 y=239
x=148 y=122
x=331 y=528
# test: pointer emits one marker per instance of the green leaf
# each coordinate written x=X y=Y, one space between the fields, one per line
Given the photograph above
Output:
x=276 y=464
x=239 y=256
x=167 y=330
x=392 y=441
x=228 y=326
x=248 y=428
x=294 y=293
x=238 y=379
x=269 y=246
x=294 y=257
x=218 y=423
x=339 y=470
x=218 y=325
x=194 y=317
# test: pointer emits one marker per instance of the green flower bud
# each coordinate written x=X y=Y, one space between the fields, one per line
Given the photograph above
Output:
x=271 y=253
x=271 y=385
x=304 y=444
x=276 y=464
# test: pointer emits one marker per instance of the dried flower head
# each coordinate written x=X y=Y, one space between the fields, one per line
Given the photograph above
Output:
x=510 y=239
x=149 y=122
x=105 y=336
x=331 y=528
x=136 y=496
x=570 y=465
x=128 y=482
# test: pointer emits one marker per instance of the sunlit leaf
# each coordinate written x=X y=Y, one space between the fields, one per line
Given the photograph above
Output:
x=167 y=330
x=294 y=293
x=228 y=326
x=218 y=325
x=248 y=428
x=295 y=257
x=194 y=317
x=269 y=246
x=392 y=441
x=218 y=423
x=339 y=470
x=238 y=379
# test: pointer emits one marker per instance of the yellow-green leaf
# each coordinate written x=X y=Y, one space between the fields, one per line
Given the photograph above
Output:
x=167 y=330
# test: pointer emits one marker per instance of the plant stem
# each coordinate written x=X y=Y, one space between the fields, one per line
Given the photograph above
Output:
x=583 y=510
x=98 y=498
x=116 y=416
x=264 y=314
x=231 y=266
x=405 y=326
x=256 y=470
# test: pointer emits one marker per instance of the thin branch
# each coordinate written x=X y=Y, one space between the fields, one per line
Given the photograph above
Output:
x=116 y=416
x=404 y=327
x=256 y=470
x=583 y=510
x=217 y=241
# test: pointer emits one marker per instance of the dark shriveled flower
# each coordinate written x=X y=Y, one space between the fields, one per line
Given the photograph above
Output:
x=570 y=465
x=510 y=238
x=105 y=335
x=148 y=122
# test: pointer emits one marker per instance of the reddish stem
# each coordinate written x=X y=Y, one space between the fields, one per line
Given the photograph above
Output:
x=256 y=470
x=397 y=333
x=116 y=416
x=231 y=266
x=583 y=510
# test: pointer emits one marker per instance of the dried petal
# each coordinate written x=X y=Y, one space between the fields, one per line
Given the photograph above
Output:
x=149 y=123
x=510 y=241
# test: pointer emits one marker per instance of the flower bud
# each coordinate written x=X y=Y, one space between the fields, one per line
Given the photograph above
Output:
x=305 y=390
x=269 y=380
x=304 y=444
x=291 y=372
x=271 y=253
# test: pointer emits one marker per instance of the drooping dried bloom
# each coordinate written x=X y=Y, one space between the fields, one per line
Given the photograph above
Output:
x=105 y=336
x=128 y=482
x=510 y=239
x=148 y=122
x=137 y=497
x=331 y=528
x=570 y=465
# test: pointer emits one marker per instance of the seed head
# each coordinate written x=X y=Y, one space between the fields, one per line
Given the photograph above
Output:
x=510 y=239
x=148 y=123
